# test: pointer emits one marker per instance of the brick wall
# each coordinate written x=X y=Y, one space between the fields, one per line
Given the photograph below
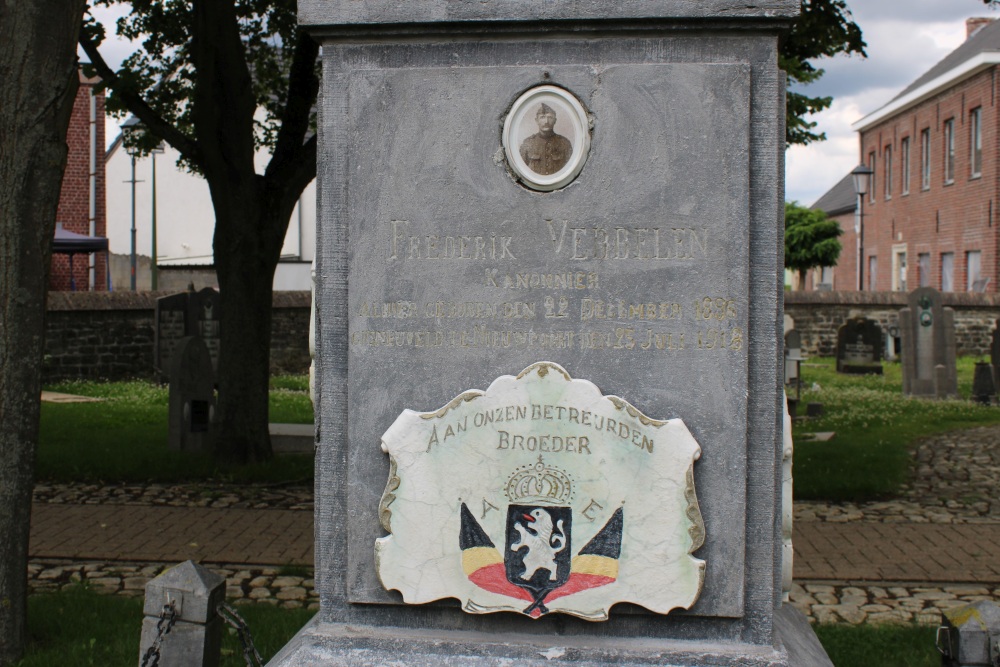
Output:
x=818 y=315
x=956 y=216
x=74 y=198
x=109 y=335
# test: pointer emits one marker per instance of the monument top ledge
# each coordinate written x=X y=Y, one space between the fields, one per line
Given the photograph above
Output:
x=347 y=13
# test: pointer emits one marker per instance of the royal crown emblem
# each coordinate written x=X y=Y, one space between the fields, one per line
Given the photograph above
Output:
x=539 y=483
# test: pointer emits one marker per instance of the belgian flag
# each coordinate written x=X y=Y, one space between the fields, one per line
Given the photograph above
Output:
x=597 y=563
x=481 y=561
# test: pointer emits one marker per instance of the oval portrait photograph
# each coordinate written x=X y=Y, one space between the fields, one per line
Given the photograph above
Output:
x=546 y=137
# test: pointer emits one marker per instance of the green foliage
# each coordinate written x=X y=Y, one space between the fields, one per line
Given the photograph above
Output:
x=81 y=628
x=880 y=645
x=811 y=239
x=162 y=72
x=124 y=437
x=824 y=29
x=875 y=428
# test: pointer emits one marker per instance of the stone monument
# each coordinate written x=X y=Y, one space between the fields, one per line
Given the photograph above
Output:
x=927 y=330
x=995 y=353
x=188 y=313
x=534 y=290
x=191 y=399
x=859 y=347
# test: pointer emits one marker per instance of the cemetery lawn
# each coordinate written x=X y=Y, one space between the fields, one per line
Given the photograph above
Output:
x=81 y=627
x=124 y=437
x=875 y=428
x=879 y=645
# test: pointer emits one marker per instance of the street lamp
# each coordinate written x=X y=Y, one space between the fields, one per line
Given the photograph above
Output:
x=862 y=176
x=128 y=127
x=153 y=271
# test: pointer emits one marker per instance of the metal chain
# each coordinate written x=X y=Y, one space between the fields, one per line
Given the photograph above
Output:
x=168 y=616
x=232 y=618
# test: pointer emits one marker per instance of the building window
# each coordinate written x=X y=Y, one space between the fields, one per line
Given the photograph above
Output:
x=904 y=156
x=871 y=183
x=973 y=265
x=887 y=161
x=872 y=272
x=924 y=269
x=947 y=271
x=949 y=150
x=925 y=158
x=899 y=269
x=976 y=141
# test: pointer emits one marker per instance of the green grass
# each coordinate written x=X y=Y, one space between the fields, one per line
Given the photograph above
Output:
x=875 y=425
x=81 y=628
x=879 y=645
x=124 y=437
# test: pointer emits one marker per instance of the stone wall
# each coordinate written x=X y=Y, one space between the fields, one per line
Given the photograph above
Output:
x=817 y=316
x=109 y=335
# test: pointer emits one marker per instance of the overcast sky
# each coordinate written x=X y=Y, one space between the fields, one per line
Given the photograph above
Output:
x=905 y=38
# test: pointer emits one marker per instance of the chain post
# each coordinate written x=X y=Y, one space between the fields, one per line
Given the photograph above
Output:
x=232 y=618
x=168 y=616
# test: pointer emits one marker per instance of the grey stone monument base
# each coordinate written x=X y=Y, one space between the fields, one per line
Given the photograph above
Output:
x=327 y=644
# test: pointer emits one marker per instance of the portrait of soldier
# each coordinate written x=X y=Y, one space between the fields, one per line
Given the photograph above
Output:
x=546 y=152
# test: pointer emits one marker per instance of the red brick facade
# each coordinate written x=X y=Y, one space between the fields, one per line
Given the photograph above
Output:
x=943 y=216
x=930 y=216
x=74 y=199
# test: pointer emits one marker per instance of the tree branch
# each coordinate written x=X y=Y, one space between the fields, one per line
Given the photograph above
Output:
x=184 y=144
x=303 y=87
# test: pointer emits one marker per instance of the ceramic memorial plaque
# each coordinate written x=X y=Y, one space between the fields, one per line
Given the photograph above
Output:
x=541 y=495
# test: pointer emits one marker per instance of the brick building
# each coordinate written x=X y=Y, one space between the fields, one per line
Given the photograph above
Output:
x=929 y=215
x=82 y=207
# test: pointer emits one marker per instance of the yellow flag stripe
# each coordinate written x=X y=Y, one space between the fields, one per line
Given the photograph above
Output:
x=599 y=565
x=479 y=557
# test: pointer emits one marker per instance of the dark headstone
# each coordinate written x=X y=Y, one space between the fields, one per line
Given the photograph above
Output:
x=928 y=332
x=995 y=354
x=859 y=347
x=793 y=355
x=192 y=396
x=186 y=314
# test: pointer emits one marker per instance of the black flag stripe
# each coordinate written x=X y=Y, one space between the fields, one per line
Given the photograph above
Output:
x=472 y=534
x=607 y=542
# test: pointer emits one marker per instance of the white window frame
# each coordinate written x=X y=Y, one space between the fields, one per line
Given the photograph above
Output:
x=904 y=157
x=887 y=170
x=948 y=272
x=949 y=151
x=871 y=183
x=925 y=159
x=899 y=267
x=970 y=276
x=976 y=142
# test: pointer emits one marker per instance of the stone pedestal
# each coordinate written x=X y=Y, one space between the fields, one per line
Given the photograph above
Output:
x=592 y=188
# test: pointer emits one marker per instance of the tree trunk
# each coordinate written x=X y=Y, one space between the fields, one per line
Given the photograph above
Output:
x=39 y=75
x=245 y=264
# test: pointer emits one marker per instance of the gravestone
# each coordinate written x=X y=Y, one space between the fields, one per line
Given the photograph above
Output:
x=793 y=356
x=534 y=288
x=186 y=314
x=927 y=330
x=191 y=401
x=859 y=347
x=995 y=353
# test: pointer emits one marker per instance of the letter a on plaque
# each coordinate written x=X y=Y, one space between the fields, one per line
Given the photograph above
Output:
x=541 y=495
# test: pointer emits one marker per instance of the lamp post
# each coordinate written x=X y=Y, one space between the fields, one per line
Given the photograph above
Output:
x=862 y=176
x=153 y=272
x=128 y=127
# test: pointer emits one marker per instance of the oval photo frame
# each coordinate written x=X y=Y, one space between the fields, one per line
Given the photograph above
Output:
x=546 y=138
